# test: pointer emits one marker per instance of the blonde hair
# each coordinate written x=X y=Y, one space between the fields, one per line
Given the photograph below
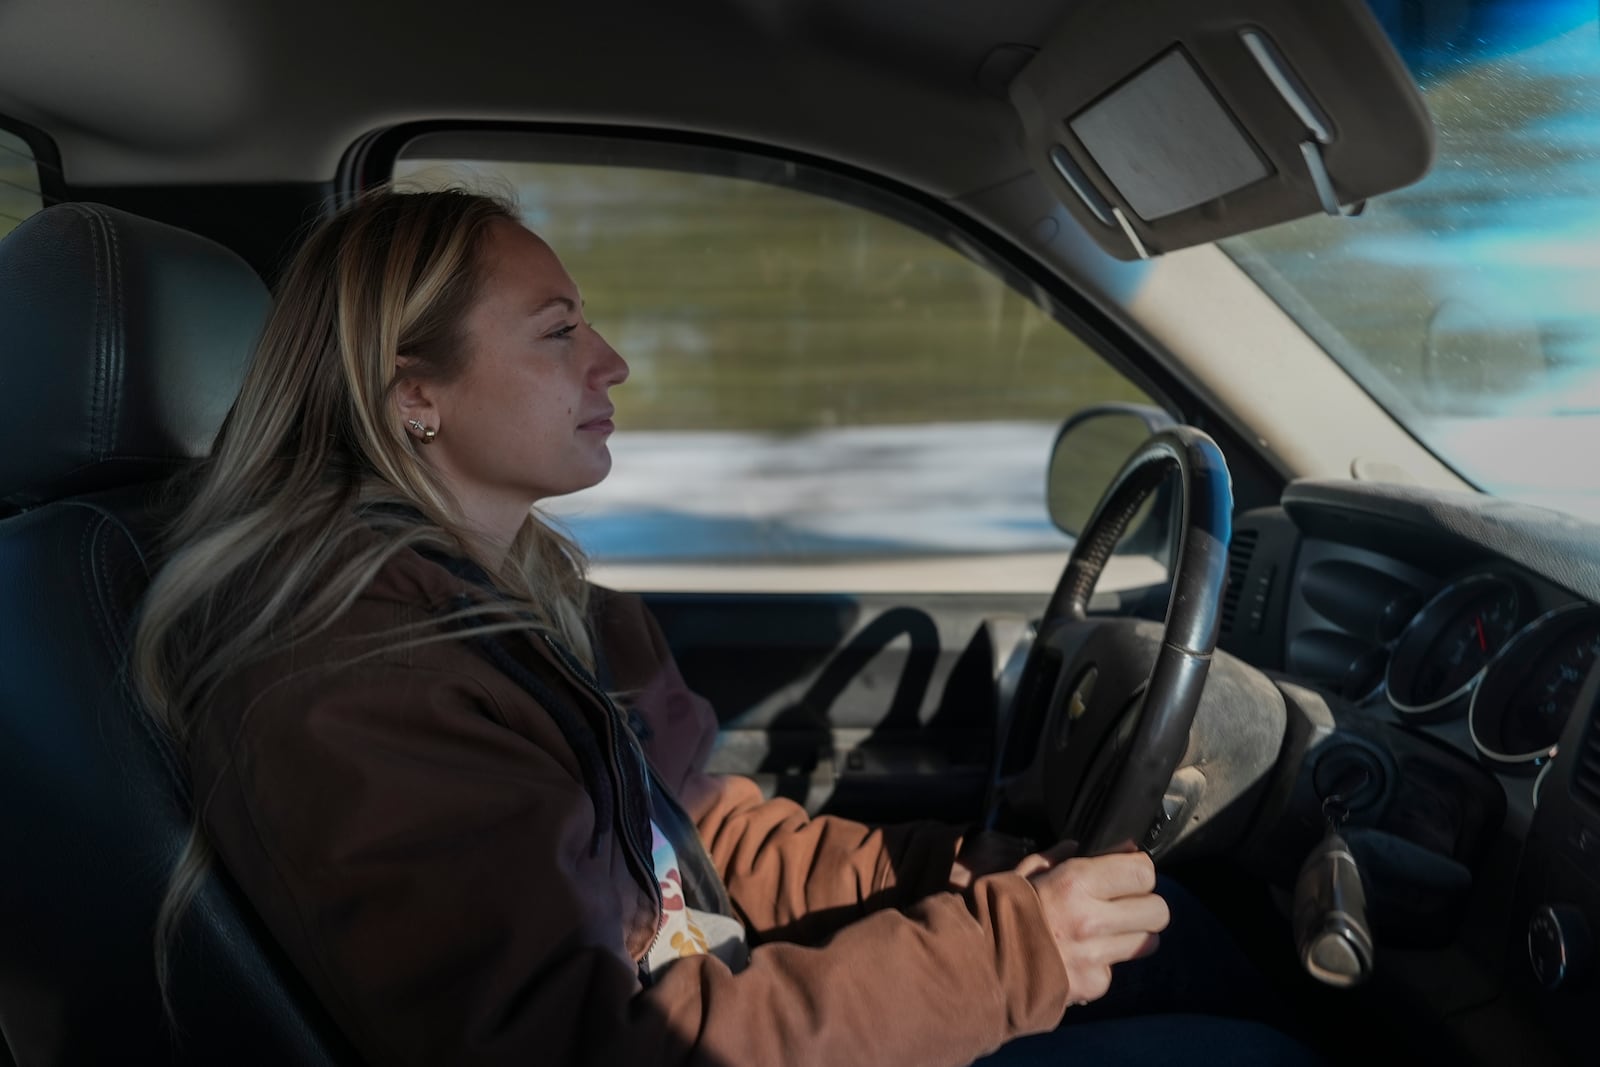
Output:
x=312 y=459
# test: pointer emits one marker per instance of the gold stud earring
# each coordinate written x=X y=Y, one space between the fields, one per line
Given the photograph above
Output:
x=427 y=432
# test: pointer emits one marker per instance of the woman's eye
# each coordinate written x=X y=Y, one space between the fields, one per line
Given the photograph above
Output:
x=562 y=333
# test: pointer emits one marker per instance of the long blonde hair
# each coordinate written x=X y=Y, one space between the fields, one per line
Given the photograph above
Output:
x=264 y=552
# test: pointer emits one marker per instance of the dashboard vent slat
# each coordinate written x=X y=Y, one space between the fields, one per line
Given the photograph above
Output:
x=1586 y=775
x=1240 y=550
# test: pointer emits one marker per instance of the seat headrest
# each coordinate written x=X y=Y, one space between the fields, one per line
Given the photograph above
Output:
x=122 y=344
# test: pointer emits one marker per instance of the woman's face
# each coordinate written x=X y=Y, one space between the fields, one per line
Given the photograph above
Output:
x=530 y=416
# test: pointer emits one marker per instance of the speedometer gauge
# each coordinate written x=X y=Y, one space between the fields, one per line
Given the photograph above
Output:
x=1445 y=648
x=1527 y=693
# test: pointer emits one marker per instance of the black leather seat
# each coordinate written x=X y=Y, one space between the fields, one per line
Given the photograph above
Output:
x=122 y=343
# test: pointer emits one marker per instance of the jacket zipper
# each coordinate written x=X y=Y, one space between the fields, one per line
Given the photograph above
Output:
x=644 y=866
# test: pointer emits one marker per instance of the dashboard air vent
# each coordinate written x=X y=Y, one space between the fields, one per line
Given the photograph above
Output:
x=1586 y=775
x=1240 y=550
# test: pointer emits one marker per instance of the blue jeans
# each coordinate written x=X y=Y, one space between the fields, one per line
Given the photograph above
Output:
x=1198 y=1001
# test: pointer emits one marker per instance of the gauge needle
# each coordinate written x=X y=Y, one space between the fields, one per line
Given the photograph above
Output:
x=1483 y=642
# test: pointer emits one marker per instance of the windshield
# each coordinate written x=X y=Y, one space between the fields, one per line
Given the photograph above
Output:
x=1467 y=304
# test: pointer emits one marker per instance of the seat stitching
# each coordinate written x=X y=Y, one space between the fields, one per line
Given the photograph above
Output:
x=96 y=399
x=86 y=573
x=117 y=622
x=99 y=510
x=116 y=353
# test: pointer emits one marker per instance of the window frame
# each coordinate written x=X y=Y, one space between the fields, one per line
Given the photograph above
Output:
x=46 y=161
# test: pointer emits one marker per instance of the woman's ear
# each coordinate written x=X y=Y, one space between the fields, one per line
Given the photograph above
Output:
x=413 y=402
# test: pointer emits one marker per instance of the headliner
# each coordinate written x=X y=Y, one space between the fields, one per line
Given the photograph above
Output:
x=189 y=91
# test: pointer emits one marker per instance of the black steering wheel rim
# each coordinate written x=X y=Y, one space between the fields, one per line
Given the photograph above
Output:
x=1126 y=807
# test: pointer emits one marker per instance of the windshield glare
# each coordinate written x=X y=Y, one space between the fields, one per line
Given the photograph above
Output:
x=1465 y=304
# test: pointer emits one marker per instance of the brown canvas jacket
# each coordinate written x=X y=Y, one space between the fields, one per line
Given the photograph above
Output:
x=415 y=832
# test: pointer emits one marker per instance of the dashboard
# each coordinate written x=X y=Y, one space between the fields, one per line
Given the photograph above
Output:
x=1456 y=640
x=1491 y=646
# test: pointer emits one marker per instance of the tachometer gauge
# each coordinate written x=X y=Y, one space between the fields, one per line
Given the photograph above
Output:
x=1445 y=648
x=1520 y=708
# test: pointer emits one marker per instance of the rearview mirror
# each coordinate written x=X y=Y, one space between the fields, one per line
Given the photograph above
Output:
x=1090 y=449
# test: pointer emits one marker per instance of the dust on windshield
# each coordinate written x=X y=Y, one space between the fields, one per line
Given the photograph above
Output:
x=1466 y=303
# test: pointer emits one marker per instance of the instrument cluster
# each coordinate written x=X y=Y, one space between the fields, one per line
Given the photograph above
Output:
x=1480 y=647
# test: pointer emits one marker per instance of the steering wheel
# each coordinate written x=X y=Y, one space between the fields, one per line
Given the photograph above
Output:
x=1106 y=704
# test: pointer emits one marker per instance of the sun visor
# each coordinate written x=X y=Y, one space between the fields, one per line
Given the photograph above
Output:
x=1168 y=123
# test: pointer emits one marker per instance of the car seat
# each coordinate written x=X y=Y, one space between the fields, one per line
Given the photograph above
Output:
x=122 y=344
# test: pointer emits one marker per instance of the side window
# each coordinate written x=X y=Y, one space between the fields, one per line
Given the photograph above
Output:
x=19 y=182
x=820 y=397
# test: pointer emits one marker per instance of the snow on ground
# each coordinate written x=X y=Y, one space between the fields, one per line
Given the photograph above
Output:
x=826 y=495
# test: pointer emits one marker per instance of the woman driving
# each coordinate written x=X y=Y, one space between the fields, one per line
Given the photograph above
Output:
x=463 y=788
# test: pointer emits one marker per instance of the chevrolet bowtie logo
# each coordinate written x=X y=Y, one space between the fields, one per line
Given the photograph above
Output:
x=1078 y=702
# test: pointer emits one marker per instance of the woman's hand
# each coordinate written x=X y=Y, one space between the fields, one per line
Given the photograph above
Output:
x=1101 y=910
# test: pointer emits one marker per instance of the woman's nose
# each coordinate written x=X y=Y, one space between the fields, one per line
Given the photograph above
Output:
x=612 y=368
